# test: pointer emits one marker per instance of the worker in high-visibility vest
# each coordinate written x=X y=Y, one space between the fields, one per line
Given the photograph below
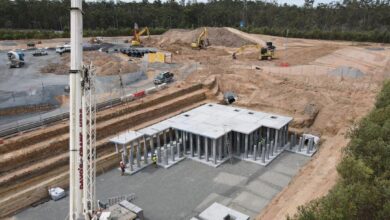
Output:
x=154 y=159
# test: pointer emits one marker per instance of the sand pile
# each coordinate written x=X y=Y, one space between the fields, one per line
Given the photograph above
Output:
x=106 y=64
x=217 y=37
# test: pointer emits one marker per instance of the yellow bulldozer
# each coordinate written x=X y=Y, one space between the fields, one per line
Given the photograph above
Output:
x=265 y=53
x=202 y=41
x=136 y=41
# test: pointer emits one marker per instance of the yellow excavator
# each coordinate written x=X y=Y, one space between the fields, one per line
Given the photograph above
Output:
x=202 y=42
x=136 y=41
x=266 y=53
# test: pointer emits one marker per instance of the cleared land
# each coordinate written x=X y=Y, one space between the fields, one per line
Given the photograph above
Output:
x=315 y=89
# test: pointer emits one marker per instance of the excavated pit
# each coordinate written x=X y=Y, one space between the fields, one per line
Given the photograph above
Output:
x=30 y=164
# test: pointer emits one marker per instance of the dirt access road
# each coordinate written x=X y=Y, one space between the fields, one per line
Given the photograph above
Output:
x=327 y=87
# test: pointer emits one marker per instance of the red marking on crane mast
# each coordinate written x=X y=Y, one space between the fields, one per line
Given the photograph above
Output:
x=81 y=177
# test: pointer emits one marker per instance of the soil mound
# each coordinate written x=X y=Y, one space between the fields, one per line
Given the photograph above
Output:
x=216 y=36
x=105 y=64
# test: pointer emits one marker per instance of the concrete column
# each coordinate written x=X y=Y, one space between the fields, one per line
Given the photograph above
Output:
x=250 y=136
x=170 y=135
x=276 y=140
x=238 y=147
x=292 y=141
x=173 y=152
x=272 y=148
x=184 y=142
x=214 y=151
x=178 y=148
x=159 y=154
x=145 y=152
x=116 y=148
x=263 y=152
x=254 y=152
x=151 y=145
x=132 y=155
x=267 y=150
x=286 y=135
x=229 y=144
x=206 y=148
x=191 y=145
x=259 y=149
x=158 y=140
x=310 y=145
x=166 y=156
x=198 y=145
x=255 y=137
x=314 y=145
x=138 y=154
x=165 y=137
x=246 y=147
x=267 y=140
x=124 y=149
x=178 y=141
x=123 y=157
x=223 y=143
x=219 y=143
x=177 y=138
x=131 y=162
x=300 y=144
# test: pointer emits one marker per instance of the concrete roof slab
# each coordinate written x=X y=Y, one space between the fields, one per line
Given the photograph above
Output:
x=126 y=137
x=214 y=120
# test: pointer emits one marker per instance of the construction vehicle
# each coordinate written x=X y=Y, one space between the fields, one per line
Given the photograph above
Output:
x=96 y=40
x=63 y=49
x=229 y=97
x=266 y=53
x=201 y=42
x=40 y=52
x=136 y=41
x=16 y=59
x=164 y=77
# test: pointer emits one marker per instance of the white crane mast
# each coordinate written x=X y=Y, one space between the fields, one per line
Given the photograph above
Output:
x=75 y=139
x=89 y=141
x=82 y=131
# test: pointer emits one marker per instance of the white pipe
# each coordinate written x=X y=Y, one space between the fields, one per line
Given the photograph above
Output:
x=76 y=30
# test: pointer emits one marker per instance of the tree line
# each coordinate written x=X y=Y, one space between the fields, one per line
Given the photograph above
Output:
x=364 y=20
x=363 y=190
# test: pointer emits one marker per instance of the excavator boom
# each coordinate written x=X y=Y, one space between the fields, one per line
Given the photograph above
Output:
x=267 y=52
x=201 y=41
x=137 y=36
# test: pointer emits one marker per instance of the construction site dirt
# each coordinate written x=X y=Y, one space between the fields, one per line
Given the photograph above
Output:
x=326 y=86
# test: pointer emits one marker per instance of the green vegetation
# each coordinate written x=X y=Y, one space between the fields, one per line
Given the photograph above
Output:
x=363 y=191
x=9 y=34
x=357 y=20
